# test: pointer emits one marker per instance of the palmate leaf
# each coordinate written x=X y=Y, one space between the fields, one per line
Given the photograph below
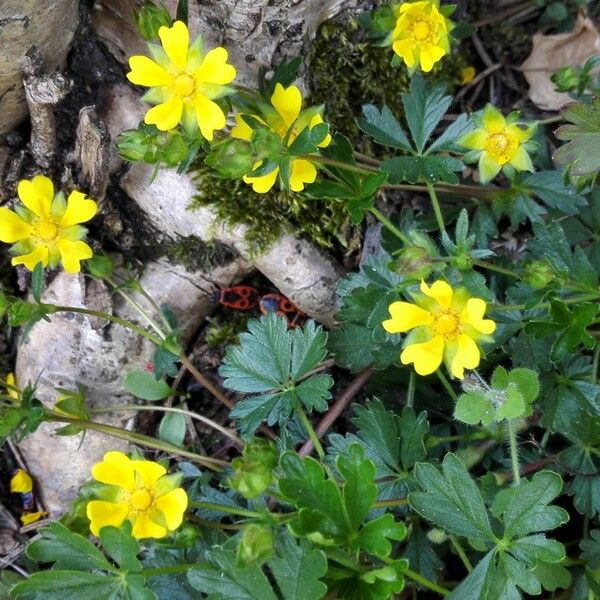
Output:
x=272 y=362
x=453 y=501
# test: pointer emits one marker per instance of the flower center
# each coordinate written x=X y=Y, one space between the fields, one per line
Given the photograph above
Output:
x=446 y=323
x=183 y=85
x=421 y=30
x=47 y=230
x=499 y=146
x=140 y=499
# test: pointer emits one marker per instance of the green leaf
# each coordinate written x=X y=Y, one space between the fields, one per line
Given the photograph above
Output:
x=581 y=153
x=309 y=139
x=420 y=554
x=591 y=550
x=425 y=105
x=451 y=499
x=524 y=507
x=165 y=363
x=271 y=360
x=513 y=405
x=225 y=581
x=297 y=569
x=415 y=169
x=37 y=282
x=121 y=547
x=172 y=428
x=552 y=576
x=68 y=585
x=527 y=381
x=375 y=535
x=473 y=408
x=485 y=582
x=550 y=187
x=383 y=127
x=144 y=385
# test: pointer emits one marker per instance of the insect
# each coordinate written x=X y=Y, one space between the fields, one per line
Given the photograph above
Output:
x=239 y=297
x=282 y=307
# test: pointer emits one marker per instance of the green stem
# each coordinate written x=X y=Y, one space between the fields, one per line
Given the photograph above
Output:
x=461 y=553
x=436 y=207
x=232 y=510
x=143 y=440
x=491 y=267
x=425 y=582
x=446 y=385
x=390 y=226
x=595 y=363
x=573 y=300
x=410 y=394
x=181 y=411
x=390 y=503
x=312 y=434
x=514 y=457
x=112 y=318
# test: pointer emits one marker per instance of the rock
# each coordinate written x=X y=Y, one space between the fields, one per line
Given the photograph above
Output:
x=71 y=349
x=49 y=27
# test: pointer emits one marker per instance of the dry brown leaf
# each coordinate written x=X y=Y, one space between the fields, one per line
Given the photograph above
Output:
x=550 y=53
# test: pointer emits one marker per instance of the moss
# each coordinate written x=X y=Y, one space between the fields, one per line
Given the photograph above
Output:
x=195 y=254
x=269 y=215
x=223 y=332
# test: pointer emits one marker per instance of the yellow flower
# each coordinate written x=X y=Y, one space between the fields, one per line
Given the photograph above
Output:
x=500 y=142
x=21 y=482
x=32 y=517
x=421 y=36
x=445 y=325
x=286 y=118
x=139 y=491
x=467 y=75
x=184 y=80
x=47 y=229
x=10 y=379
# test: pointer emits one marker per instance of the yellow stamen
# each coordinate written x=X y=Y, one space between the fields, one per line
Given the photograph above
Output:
x=446 y=323
x=140 y=499
x=421 y=31
x=183 y=85
x=47 y=230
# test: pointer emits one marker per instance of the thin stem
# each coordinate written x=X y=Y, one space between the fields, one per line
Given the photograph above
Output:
x=446 y=385
x=491 y=267
x=312 y=434
x=232 y=510
x=514 y=457
x=436 y=207
x=461 y=553
x=573 y=300
x=425 y=582
x=551 y=120
x=595 y=363
x=366 y=158
x=138 y=307
x=214 y=524
x=181 y=411
x=364 y=169
x=143 y=440
x=390 y=503
x=112 y=318
x=410 y=394
x=390 y=226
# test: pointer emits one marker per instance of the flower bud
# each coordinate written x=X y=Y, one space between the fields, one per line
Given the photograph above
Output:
x=437 y=536
x=414 y=262
x=538 y=274
x=566 y=79
x=231 y=158
x=254 y=469
x=255 y=547
x=463 y=262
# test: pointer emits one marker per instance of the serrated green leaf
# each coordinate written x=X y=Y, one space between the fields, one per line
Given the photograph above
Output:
x=375 y=535
x=383 y=127
x=297 y=569
x=473 y=408
x=552 y=576
x=68 y=585
x=591 y=549
x=424 y=105
x=513 y=405
x=415 y=169
x=37 y=282
x=527 y=381
x=451 y=499
x=421 y=555
x=121 y=547
x=309 y=139
x=144 y=385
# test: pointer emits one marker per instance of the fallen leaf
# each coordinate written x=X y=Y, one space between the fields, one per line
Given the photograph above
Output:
x=552 y=52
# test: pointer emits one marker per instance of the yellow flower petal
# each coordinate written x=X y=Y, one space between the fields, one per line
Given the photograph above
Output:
x=214 y=68
x=521 y=160
x=115 y=469
x=209 y=116
x=166 y=115
x=79 y=209
x=148 y=471
x=37 y=194
x=492 y=119
x=72 y=252
x=144 y=71
x=287 y=102
x=21 y=482
x=316 y=120
x=176 y=41
x=303 y=171
x=488 y=167
x=102 y=514
x=440 y=291
x=429 y=55
x=405 y=316
x=173 y=506
x=12 y=227
x=32 y=517
x=242 y=131
x=262 y=184
x=426 y=356
x=10 y=379
x=473 y=315
x=475 y=140
x=467 y=356
x=405 y=49
x=29 y=261
x=145 y=527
